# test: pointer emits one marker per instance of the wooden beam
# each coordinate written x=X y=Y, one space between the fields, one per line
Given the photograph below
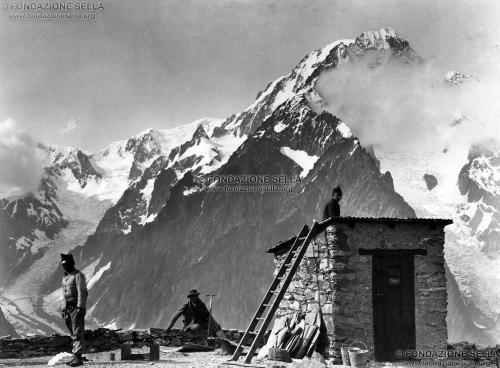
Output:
x=392 y=252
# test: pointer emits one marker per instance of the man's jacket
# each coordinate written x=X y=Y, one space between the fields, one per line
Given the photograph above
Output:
x=193 y=313
x=74 y=288
x=332 y=209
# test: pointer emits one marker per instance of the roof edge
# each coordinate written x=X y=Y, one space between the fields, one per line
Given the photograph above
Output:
x=284 y=245
x=350 y=219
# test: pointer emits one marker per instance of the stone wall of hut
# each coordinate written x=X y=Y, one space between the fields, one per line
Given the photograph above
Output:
x=334 y=276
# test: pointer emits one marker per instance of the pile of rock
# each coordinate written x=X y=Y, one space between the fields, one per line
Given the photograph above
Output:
x=99 y=340
x=464 y=352
x=33 y=346
x=179 y=337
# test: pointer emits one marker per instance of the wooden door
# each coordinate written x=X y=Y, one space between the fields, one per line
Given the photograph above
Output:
x=393 y=305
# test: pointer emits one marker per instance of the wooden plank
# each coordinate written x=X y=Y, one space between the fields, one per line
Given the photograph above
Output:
x=297 y=334
x=239 y=364
x=392 y=252
x=312 y=346
x=308 y=335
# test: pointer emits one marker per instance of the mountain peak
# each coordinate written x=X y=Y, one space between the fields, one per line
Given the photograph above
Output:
x=145 y=145
x=149 y=134
x=382 y=39
x=59 y=153
x=200 y=133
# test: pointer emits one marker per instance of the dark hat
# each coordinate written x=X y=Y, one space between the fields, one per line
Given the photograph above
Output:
x=337 y=190
x=193 y=292
x=67 y=258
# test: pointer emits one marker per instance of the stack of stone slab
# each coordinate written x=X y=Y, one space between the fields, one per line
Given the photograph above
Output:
x=297 y=335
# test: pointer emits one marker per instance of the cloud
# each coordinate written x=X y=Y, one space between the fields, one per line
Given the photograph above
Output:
x=70 y=126
x=411 y=107
x=21 y=160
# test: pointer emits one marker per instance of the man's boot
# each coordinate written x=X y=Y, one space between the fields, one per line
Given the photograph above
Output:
x=77 y=361
x=72 y=360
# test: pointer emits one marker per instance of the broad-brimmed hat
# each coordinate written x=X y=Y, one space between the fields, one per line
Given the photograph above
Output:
x=192 y=293
x=67 y=258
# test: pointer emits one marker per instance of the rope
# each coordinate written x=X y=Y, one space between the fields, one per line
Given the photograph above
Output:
x=316 y=271
x=328 y=260
x=330 y=282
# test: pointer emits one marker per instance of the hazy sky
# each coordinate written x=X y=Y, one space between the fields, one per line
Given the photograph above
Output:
x=163 y=63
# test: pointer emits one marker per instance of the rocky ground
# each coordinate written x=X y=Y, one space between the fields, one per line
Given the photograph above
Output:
x=102 y=344
x=172 y=358
x=169 y=357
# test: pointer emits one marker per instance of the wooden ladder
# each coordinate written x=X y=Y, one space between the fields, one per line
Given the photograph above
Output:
x=284 y=278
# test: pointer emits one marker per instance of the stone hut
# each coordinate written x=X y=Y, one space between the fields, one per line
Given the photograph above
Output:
x=380 y=281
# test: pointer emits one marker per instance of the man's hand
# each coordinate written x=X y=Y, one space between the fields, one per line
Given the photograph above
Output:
x=63 y=313
x=80 y=311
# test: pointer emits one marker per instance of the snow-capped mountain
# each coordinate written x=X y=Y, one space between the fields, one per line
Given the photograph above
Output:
x=216 y=241
x=479 y=180
x=76 y=192
x=141 y=209
x=27 y=225
x=143 y=199
x=281 y=134
x=299 y=81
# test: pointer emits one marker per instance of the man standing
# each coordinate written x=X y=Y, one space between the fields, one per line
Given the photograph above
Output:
x=75 y=293
x=196 y=316
x=332 y=208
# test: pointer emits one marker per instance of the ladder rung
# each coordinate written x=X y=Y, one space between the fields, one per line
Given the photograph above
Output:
x=299 y=248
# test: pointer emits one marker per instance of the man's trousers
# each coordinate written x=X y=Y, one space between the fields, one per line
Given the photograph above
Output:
x=75 y=322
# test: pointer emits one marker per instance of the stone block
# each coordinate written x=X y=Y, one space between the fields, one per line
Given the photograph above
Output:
x=154 y=352
x=327 y=308
x=299 y=297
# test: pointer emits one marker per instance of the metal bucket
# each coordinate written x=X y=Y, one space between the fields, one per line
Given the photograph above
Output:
x=344 y=351
x=358 y=357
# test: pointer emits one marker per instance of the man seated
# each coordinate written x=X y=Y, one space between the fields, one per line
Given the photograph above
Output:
x=196 y=317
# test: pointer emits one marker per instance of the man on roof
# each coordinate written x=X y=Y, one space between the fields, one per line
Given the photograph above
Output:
x=332 y=208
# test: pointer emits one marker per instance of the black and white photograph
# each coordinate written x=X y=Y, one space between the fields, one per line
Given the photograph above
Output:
x=250 y=183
